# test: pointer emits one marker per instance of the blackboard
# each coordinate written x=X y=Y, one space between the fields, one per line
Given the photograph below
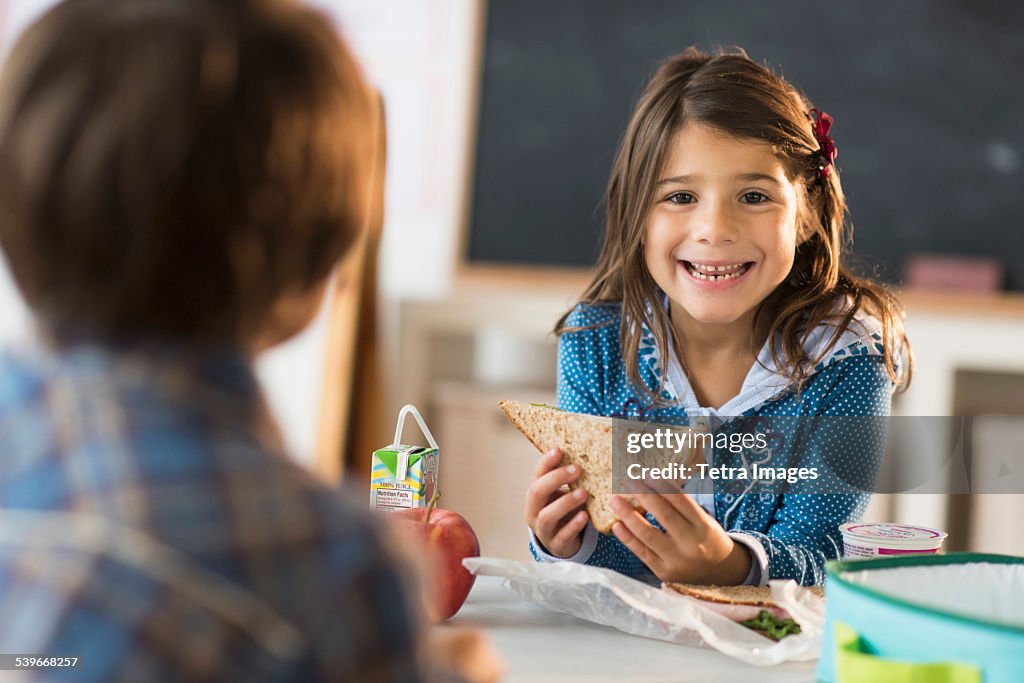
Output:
x=927 y=95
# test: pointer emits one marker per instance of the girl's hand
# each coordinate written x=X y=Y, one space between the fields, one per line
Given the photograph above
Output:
x=694 y=548
x=553 y=513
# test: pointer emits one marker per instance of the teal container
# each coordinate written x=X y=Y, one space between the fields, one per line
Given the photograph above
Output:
x=926 y=622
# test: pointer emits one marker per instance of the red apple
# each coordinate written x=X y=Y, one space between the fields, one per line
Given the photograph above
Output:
x=448 y=538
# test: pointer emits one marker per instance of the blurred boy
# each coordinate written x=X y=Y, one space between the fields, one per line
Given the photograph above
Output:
x=177 y=180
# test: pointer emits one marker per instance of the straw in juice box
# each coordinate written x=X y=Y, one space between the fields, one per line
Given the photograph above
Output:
x=403 y=476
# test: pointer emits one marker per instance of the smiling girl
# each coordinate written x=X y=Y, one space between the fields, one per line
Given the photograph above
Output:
x=720 y=292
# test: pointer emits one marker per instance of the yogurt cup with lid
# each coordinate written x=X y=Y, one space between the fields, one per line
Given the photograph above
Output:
x=861 y=539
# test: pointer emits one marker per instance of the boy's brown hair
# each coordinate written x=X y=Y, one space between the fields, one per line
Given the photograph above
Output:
x=173 y=168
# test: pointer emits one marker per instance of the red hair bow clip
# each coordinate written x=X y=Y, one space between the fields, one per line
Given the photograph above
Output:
x=828 y=152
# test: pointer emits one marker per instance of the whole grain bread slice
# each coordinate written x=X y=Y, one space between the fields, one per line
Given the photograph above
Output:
x=585 y=440
x=755 y=596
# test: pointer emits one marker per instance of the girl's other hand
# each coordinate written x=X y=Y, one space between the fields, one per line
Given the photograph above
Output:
x=693 y=548
x=554 y=513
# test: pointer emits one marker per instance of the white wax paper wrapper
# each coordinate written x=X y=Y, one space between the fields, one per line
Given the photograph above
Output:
x=606 y=597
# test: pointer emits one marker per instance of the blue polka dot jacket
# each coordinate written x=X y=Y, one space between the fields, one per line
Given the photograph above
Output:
x=788 y=535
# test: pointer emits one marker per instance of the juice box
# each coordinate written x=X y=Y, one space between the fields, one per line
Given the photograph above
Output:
x=404 y=476
x=389 y=490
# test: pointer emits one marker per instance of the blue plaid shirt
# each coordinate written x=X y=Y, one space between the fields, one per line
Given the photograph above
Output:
x=151 y=525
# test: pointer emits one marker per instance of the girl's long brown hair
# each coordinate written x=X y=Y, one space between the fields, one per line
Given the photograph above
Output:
x=733 y=94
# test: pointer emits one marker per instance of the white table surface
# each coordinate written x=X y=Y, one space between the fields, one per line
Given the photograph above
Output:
x=542 y=646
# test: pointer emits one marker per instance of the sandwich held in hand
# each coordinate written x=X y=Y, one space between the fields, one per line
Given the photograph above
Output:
x=751 y=606
x=585 y=441
x=447 y=539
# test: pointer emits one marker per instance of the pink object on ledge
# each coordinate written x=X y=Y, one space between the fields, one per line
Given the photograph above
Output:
x=961 y=273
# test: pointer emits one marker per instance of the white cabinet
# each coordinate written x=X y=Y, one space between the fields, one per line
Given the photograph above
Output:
x=486 y=464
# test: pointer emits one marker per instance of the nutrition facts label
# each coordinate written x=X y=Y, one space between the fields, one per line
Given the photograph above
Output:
x=392 y=499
